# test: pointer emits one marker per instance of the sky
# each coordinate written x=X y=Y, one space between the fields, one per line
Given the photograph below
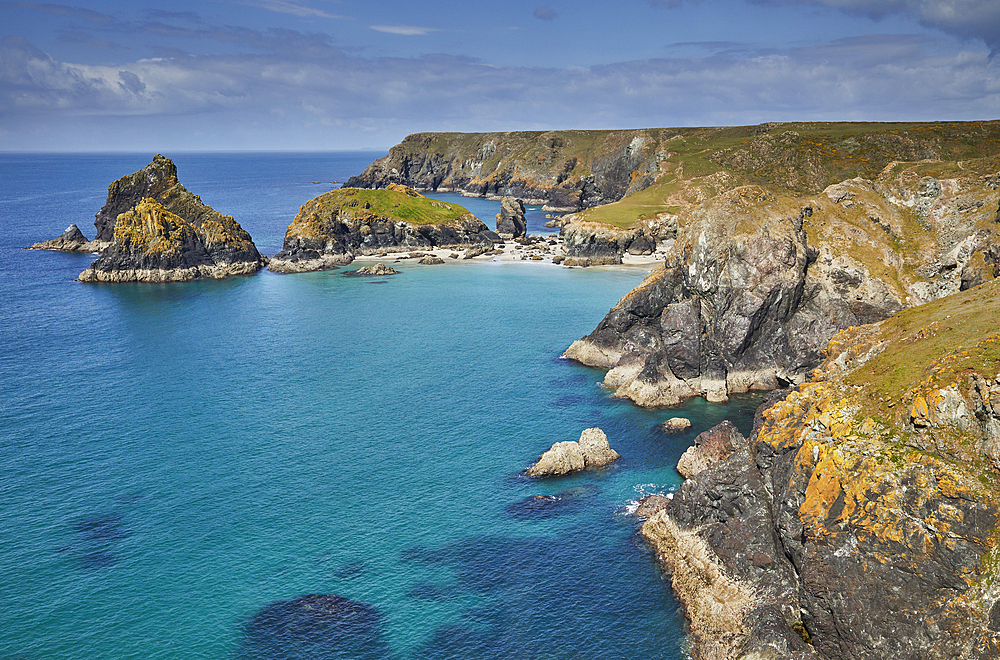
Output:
x=318 y=75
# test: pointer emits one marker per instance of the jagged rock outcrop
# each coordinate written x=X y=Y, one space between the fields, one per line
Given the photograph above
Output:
x=510 y=220
x=591 y=451
x=757 y=283
x=710 y=447
x=676 y=424
x=330 y=229
x=71 y=240
x=859 y=521
x=151 y=244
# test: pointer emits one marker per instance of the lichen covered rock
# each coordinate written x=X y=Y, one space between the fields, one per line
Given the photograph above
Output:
x=862 y=516
x=151 y=244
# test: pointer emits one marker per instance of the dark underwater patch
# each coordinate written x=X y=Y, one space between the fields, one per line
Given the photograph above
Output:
x=315 y=627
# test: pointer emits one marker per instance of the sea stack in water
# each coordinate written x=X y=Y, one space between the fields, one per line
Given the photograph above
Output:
x=591 y=451
x=510 y=219
x=154 y=245
x=330 y=229
x=160 y=232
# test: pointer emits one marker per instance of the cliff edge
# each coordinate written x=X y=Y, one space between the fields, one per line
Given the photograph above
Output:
x=861 y=519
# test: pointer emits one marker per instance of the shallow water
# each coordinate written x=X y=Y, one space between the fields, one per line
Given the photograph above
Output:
x=182 y=461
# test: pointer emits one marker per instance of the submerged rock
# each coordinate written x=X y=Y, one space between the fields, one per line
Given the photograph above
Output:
x=71 y=240
x=315 y=626
x=591 y=451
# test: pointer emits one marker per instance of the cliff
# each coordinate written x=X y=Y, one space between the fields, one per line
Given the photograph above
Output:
x=860 y=521
x=757 y=280
x=565 y=170
x=637 y=184
x=330 y=229
x=152 y=244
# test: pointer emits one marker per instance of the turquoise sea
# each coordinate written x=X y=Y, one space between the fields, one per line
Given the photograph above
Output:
x=181 y=461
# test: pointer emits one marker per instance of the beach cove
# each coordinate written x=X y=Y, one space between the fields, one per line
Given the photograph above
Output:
x=180 y=457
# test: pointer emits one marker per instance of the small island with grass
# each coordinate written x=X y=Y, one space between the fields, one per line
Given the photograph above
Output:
x=331 y=229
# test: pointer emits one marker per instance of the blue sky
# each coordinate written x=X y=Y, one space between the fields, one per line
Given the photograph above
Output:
x=345 y=74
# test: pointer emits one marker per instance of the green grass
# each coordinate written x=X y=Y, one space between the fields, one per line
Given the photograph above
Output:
x=936 y=344
x=388 y=204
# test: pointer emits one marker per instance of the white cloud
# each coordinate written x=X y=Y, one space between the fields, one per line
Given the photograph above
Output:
x=878 y=78
x=407 y=30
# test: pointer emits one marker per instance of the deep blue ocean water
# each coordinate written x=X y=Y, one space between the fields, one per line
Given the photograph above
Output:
x=180 y=461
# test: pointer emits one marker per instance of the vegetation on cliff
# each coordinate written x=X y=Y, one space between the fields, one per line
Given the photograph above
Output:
x=152 y=244
x=869 y=502
x=331 y=228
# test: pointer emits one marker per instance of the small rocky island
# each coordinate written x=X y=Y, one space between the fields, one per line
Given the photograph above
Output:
x=71 y=240
x=331 y=229
x=156 y=231
x=591 y=451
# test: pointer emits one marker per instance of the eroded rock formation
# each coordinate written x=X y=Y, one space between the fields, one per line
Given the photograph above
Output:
x=510 y=220
x=859 y=520
x=591 y=451
x=330 y=229
x=151 y=244
x=71 y=240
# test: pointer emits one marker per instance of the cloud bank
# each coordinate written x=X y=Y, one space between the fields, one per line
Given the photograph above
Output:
x=301 y=92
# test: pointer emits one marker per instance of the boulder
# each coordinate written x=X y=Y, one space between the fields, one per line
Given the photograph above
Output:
x=591 y=451
x=431 y=260
x=376 y=270
x=676 y=424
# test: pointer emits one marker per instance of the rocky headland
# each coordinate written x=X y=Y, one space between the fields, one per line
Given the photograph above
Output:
x=860 y=519
x=330 y=230
x=156 y=231
x=758 y=279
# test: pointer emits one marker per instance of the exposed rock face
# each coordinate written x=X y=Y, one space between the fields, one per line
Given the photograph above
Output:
x=157 y=181
x=757 y=283
x=710 y=447
x=375 y=270
x=71 y=240
x=151 y=244
x=591 y=451
x=565 y=170
x=510 y=220
x=859 y=521
x=330 y=229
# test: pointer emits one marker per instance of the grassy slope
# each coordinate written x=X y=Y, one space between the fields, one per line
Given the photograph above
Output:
x=392 y=204
x=798 y=158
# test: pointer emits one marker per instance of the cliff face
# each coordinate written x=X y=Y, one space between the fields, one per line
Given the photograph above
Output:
x=151 y=244
x=756 y=281
x=330 y=229
x=860 y=520
x=565 y=170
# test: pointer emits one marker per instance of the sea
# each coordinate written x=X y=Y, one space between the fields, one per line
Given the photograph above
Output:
x=312 y=465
